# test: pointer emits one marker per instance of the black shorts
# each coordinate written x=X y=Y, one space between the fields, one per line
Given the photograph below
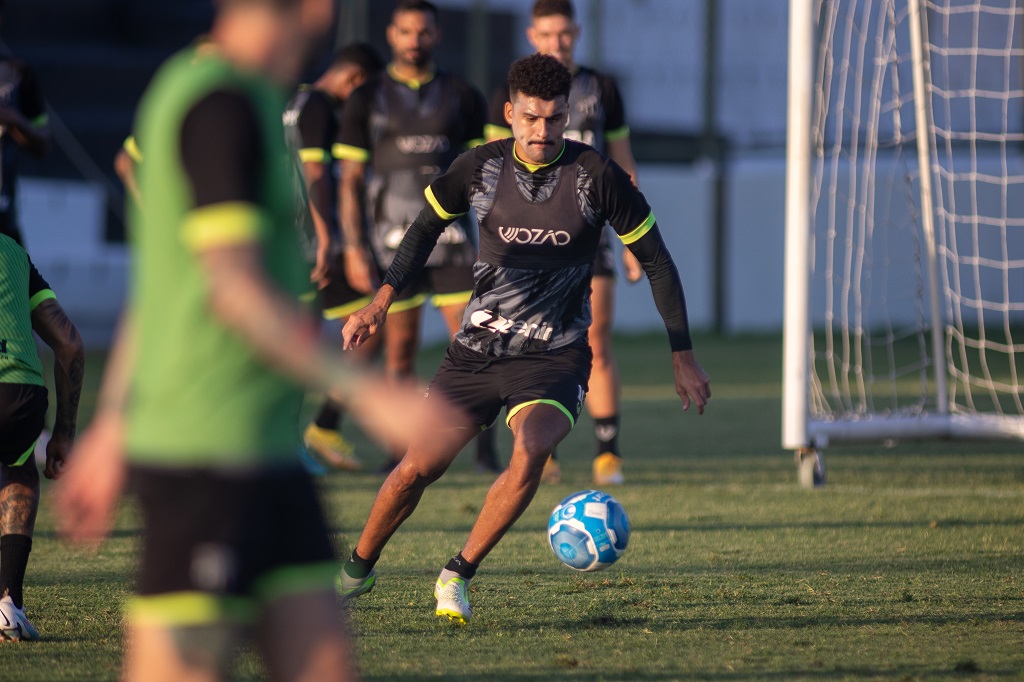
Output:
x=604 y=260
x=482 y=385
x=218 y=545
x=338 y=299
x=443 y=286
x=22 y=417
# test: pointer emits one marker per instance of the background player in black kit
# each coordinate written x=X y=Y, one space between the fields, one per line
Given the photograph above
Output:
x=597 y=118
x=24 y=124
x=400 y=131
x=542 y=202
x=314 y=117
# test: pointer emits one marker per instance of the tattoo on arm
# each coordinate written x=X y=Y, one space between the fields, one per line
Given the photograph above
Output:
x=59 y=333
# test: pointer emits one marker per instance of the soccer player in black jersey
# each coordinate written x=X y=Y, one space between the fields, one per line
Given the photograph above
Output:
x=314 y=117
x=597 y=118
x=24 y=124
x=542 y=203
x=400 y=131
x=27 y=305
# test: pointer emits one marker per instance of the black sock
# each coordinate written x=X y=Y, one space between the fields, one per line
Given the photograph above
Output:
x=460 y=565
x=329 y=416
x=357 y=566
x=14 y=551
x=606 y=430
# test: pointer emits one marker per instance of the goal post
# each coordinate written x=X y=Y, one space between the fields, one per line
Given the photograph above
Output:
x=904 y=273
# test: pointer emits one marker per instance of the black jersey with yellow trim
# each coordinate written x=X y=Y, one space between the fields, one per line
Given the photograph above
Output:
x=315 y=115
x=396 y=124
x=409 y=132
x=539 y=231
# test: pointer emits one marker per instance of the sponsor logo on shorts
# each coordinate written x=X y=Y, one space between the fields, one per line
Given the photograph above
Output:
x=487 y=319
x=534 y=235
x=580 y=398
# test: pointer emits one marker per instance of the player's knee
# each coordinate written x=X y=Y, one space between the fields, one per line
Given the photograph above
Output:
x=416 y=474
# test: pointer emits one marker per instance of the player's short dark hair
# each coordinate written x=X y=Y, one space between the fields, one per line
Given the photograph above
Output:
x=362 y=55
x=540 y=76
x=550 y=8
x=416 y=6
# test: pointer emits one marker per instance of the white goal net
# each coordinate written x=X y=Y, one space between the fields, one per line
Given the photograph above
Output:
x=905 y=220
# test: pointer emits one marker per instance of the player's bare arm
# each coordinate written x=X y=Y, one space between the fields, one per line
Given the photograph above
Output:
x=286 y=337
x=59 y=333
x=367 y=321
x=86 y=496
x=317 y=179
x=692 y=383
x=35 y=138
x=359 y=264
x=124 y=167
x=621 y=152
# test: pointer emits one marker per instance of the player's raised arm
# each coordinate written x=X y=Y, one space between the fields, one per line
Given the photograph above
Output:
x=354 y=151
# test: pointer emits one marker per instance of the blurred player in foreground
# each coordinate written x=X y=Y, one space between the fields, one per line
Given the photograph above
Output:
x=313 y=119
x=200 y=402
x=542 y=203
x=27 y=304
x=597 y=118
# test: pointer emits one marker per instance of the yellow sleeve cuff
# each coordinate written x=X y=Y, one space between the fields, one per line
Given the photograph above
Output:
x=432 y=200
x=39 y=297
x=131 y=146
x=617 y=134
x=347 y=152
x=640 y=230
x=224 y=224
x=495 y=132
x=314 y=155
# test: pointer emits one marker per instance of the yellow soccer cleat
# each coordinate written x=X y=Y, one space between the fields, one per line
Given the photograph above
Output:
x=608 y=469
x=330 y=448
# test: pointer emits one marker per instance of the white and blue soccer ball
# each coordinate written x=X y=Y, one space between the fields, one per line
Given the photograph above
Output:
x=588 y=530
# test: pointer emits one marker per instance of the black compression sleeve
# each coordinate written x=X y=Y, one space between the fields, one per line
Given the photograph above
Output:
x=415 y=248
x=666 y=286
x=221 y=149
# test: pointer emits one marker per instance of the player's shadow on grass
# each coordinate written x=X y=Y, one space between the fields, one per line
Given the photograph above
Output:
x=937 y=524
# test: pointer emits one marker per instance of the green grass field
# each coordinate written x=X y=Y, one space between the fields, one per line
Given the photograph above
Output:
x=906 y=566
